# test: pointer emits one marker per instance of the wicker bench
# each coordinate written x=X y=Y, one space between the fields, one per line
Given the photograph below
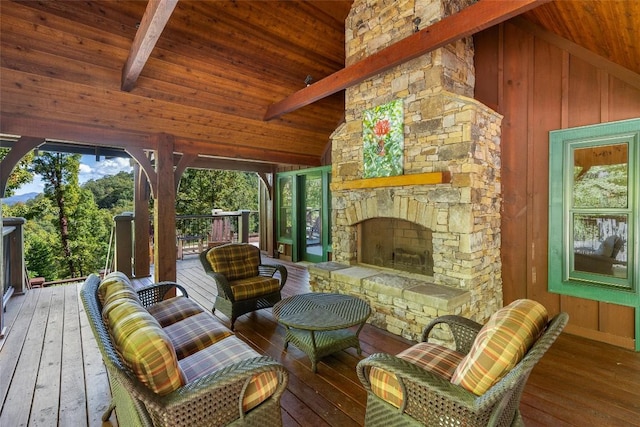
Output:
x=171 y=363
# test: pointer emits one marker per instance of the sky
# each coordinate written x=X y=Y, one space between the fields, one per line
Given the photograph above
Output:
x=89 y=169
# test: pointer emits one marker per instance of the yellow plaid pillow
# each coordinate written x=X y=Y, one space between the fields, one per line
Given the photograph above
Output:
x=112 y=283
x=145 y=347
x=500 y=345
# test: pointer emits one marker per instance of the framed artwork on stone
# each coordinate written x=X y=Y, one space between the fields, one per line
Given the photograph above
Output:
x=383 y=137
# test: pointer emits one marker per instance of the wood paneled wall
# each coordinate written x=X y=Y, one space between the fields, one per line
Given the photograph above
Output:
x=540 y=83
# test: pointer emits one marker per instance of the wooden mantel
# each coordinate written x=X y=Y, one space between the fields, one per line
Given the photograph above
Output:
x=394 y=181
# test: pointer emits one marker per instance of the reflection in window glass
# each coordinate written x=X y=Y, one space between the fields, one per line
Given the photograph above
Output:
x=601 y=176
x=286 y=206
x=600 y=244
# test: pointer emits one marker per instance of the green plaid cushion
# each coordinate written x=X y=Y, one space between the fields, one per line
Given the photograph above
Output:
x=145 y=348
x=173 y=310
x=432 y=357
x=235 y=261
x=111 y=283
x=500 y=345
x=195 y=333
x=122 y=296
x=224 y=353
x=254 y=287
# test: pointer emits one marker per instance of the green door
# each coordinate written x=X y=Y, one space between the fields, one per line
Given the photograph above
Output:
x=311 y=218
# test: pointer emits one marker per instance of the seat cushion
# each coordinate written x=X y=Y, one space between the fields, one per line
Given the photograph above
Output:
x=222 y=354
x=173 y=310
x=500 y=345
x=195 y=333
x=235 y=261
x=253 y=287
x=435 y=358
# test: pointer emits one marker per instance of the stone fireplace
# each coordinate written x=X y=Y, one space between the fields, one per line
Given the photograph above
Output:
x=425 y=243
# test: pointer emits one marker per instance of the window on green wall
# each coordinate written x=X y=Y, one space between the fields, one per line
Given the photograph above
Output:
x=594 y=212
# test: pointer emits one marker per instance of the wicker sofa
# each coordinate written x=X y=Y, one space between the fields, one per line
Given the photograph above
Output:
x=171 y=363
x=477 y=383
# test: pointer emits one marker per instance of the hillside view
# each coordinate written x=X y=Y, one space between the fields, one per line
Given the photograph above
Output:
x=69 y=225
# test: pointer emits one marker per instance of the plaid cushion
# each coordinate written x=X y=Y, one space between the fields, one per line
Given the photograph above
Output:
x=195 y=333
x=500 y=345
x=235 y=261
x=254 y=287
x=432 y=357
x=173 y=310
x=149 y=353
x=224 y=353
x=145 y=348
x=113 y=282
x=122 y=296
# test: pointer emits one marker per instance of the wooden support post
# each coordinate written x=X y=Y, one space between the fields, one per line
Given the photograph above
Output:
x=164 y=214
x=124 y=243
x=142 y=261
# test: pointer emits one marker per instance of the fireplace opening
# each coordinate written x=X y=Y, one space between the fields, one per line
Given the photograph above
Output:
x=397 y=244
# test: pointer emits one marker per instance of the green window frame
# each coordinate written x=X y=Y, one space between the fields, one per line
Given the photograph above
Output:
x=594 y=213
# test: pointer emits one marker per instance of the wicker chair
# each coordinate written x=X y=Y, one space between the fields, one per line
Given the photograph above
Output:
x=209 y=401
x=239 y=265
x=432 y=400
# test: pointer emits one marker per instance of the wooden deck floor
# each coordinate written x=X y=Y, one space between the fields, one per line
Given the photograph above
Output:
x=51 y=372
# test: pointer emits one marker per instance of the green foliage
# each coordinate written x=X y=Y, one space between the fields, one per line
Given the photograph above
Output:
x=20 y=174
x=114 y=193
x=603 y=186
x=88 y=211
x=201 y=191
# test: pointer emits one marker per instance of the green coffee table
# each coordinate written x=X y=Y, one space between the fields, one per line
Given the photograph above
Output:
x=318 y=323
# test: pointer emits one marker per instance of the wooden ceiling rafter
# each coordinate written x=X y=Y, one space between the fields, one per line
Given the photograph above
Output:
x=468 y=21
x=153 y=22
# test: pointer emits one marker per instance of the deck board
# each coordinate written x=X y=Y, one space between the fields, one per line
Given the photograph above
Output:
x=51 y=372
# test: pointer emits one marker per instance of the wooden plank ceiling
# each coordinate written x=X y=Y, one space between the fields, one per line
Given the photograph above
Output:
x=216 y=68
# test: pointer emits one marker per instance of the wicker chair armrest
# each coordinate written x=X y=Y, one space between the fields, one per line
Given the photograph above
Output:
x=431 y=384
x=271 y=269
x=153 y=294
x=464 y=330
x=223 y=285
x=214 y=390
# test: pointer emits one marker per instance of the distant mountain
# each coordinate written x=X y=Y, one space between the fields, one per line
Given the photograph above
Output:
x=22 y=198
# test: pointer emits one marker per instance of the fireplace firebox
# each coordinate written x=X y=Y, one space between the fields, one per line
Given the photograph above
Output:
x=396 y=244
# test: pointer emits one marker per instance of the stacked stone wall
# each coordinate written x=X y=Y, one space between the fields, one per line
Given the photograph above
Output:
x=445 y=130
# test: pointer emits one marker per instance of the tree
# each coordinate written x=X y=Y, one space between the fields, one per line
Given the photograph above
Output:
x=201 y=191
x=20 y=174
x=60 y=175
x=114 y=192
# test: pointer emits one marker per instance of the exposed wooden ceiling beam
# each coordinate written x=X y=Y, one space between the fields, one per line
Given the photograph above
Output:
x=155 y=18
x=470 y=20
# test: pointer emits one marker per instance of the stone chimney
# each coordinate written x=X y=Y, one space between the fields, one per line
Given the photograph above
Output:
x=445 y=130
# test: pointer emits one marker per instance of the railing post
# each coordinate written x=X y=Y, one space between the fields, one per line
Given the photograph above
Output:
x=243 y=226
x=15 y=266
x=124 y=243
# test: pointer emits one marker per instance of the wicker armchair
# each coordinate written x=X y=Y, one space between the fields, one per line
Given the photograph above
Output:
x=432 y=400
x=244 y=284
x=212 y=400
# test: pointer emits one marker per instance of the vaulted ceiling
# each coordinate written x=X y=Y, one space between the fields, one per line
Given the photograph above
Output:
x=214 y=71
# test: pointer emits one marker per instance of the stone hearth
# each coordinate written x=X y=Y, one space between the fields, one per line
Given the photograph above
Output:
x=445 y=130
